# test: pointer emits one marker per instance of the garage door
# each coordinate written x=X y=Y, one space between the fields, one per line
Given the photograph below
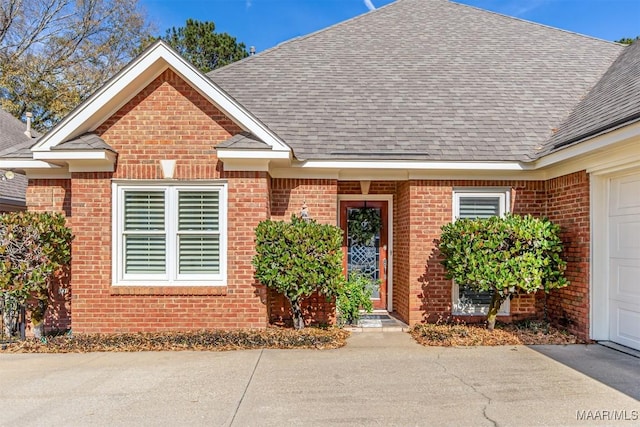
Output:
x=624 y=261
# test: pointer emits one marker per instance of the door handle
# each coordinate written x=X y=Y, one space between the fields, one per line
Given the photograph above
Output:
x=384 y=264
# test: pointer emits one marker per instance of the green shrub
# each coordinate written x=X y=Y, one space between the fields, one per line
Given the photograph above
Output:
x=354 y=296
x=299 y=258
x=503 y=255
x=34 y=248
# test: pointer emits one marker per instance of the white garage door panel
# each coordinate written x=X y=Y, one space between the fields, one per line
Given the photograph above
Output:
x=625 y=324
x=624 y=232
x=624 y=260
x=625 y=281
x=625 y=195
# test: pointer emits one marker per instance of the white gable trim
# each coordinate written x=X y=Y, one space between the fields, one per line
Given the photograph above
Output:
x=135 y=77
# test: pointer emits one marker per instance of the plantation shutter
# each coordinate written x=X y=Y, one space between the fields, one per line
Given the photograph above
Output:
x=144 y=232
x=478 y=207
x=198 y=232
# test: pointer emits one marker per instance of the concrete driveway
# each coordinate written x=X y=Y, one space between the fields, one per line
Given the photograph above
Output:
x=377 y=379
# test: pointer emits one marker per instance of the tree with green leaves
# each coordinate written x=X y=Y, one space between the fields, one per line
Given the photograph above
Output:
x=503 y=255
x=35 y=248
x=55 y=53
x=299 y=258
x=627 y=40
x=201 y=45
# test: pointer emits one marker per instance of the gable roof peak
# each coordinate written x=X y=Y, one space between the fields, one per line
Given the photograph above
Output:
x=135 y=76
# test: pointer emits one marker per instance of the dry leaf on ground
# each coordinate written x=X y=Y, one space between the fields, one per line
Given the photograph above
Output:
x=215 y=340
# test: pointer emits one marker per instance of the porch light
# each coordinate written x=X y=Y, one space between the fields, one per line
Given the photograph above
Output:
x=304 y=212
x=8 y=175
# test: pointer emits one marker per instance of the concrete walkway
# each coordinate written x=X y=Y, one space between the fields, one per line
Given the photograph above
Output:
x=377 y=379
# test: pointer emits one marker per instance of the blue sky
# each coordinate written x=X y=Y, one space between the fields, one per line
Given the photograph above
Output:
x=266 y=23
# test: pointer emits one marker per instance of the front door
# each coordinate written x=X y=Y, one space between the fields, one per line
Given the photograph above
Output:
x=365 y=244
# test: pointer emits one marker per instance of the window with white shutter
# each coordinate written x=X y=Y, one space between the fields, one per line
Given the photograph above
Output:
x=198 y=232
x=144 y=232
x=477 y=203
x=169 y=234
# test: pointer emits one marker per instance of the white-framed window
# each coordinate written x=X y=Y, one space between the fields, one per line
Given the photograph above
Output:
x=477 y=203
x=169 y=233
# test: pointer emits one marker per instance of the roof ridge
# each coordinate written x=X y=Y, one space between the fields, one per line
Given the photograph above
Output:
x=306 y=36
x=515 y=18
x=395 y=3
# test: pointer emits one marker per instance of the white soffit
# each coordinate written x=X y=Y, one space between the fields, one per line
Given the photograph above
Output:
x=26 y=164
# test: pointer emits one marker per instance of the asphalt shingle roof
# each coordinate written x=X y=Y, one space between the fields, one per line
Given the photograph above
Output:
x=614 y=101
x=245 y=141
x=12 y=137
x=420 y=79
x=87 y=141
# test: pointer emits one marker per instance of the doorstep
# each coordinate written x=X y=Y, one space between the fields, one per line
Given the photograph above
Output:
x=378 y=321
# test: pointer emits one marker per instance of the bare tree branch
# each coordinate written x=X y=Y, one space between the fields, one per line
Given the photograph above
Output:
x=55 y=53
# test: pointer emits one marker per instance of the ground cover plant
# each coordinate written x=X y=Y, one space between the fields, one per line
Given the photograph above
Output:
x=352 y=298
x=448 y=334
x=215 y=340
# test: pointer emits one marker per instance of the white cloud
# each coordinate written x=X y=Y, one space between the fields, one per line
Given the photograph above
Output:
x=521 y=8
x=369 y=5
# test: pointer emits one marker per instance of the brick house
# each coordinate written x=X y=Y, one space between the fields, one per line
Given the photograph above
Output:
x=420 y=111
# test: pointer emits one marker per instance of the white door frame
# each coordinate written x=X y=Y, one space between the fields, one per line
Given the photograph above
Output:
x=389 y=199
x=599 y=259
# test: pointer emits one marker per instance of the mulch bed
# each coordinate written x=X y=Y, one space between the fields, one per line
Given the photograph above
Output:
x=463 y=335
x=215 y=340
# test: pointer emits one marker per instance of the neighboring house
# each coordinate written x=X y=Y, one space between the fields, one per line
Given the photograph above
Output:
x=13 y=136
x=423 y=110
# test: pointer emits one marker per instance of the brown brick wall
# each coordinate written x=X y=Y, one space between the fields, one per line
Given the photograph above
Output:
x=375 y=187
x=431 y=208
x=287 y=198
x=568 y=206
x=44 y=195
x=167 y=120
x=401 y=249
x=320 y=196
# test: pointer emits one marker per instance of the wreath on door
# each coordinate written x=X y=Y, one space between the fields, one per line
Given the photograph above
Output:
x=364 y=225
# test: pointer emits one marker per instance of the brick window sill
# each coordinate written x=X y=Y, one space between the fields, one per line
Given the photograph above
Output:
x=169 y=290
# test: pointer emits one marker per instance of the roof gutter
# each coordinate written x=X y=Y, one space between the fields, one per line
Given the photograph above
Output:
x=603 y=129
